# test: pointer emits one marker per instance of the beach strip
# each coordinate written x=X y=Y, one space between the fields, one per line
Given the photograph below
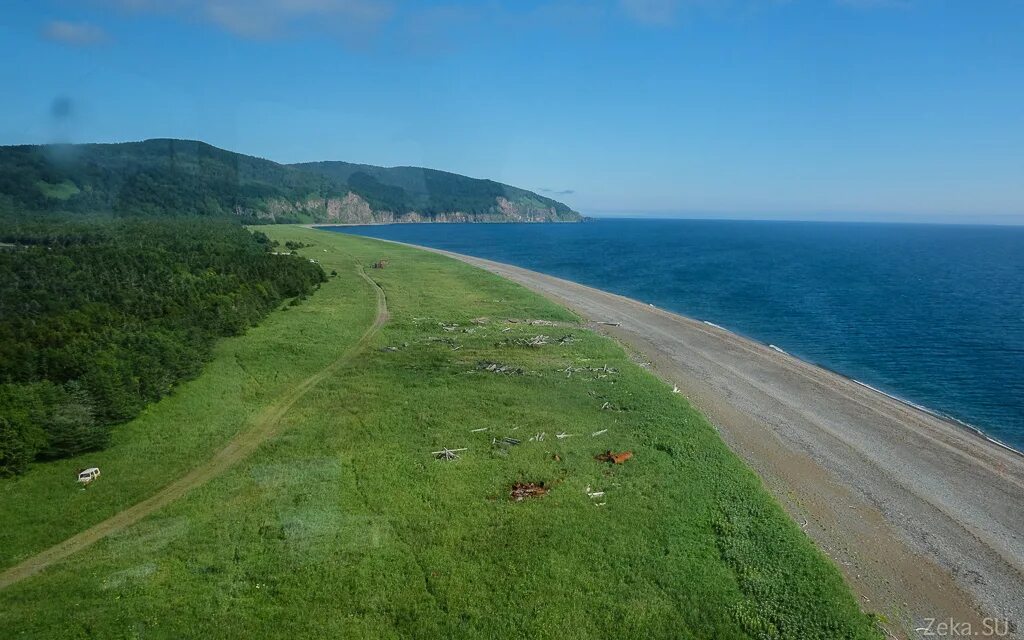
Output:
x=919 y=513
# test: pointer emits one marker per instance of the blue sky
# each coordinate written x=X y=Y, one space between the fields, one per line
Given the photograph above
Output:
x=822 y=109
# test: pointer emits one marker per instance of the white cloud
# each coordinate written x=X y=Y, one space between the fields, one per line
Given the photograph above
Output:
x=273 y=18
x=79 y=34
x=429 y=27
x=667 y=13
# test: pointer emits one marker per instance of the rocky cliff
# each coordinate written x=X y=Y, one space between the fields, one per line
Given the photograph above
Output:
x=353 y=209
x=187 y=177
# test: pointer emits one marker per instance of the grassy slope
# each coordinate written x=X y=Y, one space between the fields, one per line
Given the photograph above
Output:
x=170 y=437
x=345 y=527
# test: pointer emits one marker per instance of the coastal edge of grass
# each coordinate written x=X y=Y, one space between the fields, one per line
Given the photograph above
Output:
x=346 y=526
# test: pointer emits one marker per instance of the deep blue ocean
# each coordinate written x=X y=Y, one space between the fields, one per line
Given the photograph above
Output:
x=932 y=314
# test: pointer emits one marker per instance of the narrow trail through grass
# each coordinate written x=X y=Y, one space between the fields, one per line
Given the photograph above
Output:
x=266 y=425
x=341 y=523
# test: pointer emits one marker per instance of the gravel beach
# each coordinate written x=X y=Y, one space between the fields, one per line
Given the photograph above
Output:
x=922 y=516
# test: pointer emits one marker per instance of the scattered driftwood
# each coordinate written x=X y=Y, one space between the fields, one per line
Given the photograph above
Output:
x=447 y=454
x=542 y=323
x=594 y=495
x=533 y=342
x=539 y=437
x=453 y=327
x=480 y=320
x=539 y=340
x=563 y=435
x=610 y=324
x=615 y=458
x=675 y=388
x=509 y=441
x=567 y=339
x=608 y=406
x=380 y=264
x=598 y=433
x=448 y=341
x=497 y=367
x=602 y=372
x=523 y=490
x=478 y=430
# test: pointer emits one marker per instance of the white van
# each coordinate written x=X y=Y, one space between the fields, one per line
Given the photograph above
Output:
x=89 y=475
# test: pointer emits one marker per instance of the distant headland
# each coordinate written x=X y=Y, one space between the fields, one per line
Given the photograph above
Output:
x=189 y=177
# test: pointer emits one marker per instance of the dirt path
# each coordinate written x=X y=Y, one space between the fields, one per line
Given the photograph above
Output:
x=921 y=516
x=264 y=426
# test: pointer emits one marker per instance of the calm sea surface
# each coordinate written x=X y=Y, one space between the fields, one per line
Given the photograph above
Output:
x=931 y=314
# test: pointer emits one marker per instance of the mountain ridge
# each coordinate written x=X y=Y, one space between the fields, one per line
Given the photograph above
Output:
x=163 y=176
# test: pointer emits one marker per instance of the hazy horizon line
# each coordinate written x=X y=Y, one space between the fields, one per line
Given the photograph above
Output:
x=982 y=220
x=894 y=217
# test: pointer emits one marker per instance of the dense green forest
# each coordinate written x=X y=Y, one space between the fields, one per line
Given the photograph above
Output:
x=190 y=177
x=428 y=191
x=120 y=265
x=99 y=317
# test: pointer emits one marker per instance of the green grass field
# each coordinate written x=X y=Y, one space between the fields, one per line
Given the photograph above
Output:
x=345 y=526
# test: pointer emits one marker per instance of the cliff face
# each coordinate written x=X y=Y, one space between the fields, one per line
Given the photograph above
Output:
x=353 y=209
x=187 y=177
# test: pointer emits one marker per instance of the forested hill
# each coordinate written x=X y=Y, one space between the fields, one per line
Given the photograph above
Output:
x=190 y=177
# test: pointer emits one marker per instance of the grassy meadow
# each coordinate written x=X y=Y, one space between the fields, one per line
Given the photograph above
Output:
x=345 y=525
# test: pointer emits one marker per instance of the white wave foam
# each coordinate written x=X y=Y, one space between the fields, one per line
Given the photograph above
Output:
x=943 y=416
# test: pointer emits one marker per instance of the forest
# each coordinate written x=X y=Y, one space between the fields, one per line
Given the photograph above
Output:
x=121 y=264
x=100 y=316
x=176 y=177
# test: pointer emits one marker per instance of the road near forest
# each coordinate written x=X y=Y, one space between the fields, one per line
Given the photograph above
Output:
x=265 y=426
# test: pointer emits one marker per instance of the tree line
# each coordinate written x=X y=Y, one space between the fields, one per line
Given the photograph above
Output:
x=100 y=317
x=188 y=177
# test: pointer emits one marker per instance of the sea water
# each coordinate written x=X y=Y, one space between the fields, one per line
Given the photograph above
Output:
x=931 y=314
